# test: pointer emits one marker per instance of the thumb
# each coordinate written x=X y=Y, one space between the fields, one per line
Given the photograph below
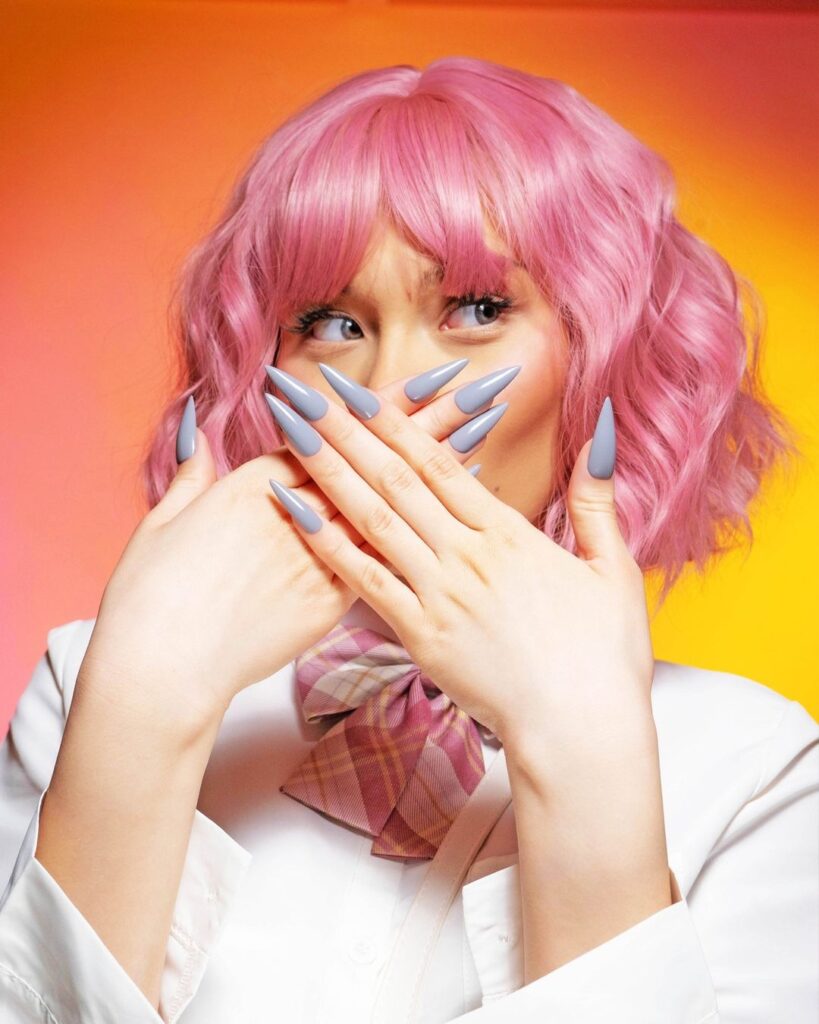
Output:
x=196 y=472
x=590 y=497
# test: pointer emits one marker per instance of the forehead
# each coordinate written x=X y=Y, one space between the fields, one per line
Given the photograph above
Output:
x=391 y=261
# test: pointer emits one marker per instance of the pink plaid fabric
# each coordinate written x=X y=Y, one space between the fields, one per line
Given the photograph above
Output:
x=401 y=762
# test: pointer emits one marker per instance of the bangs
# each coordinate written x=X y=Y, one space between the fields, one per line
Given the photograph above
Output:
x=412 y=162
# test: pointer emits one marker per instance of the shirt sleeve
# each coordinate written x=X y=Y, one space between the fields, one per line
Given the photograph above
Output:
x=54 y=968
x=741 y=948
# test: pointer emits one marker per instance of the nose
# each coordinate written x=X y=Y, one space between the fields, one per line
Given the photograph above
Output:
x=399 y=355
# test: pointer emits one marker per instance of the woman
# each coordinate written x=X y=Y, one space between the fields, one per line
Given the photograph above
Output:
x=225 y=791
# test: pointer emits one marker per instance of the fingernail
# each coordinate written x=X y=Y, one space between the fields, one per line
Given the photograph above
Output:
x=604 y=445
x=474 y=470
x=186 y=432
x=428 y=382
x=307 y=400
x=479 y=392
x=298 y=509
x=468 y=435
x=306 y=440
x=363 y=401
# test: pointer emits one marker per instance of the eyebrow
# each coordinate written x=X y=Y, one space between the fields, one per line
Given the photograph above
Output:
x=429 y=278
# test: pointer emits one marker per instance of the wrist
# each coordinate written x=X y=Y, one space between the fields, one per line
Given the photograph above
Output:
x=610 y=789
x=558 y=757
x=169 y=723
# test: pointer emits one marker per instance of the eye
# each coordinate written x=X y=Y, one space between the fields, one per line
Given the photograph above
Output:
x=487 y=305
x=493 y=307
x=304 y=321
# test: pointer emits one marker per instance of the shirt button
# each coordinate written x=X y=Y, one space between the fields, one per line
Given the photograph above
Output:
x=362 y=951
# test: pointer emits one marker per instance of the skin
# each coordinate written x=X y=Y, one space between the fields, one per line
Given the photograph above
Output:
x=573 y=651
x=396 y=330
x=452 y=565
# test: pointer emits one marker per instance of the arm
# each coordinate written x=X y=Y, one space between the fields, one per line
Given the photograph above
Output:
x=739 y=945
x=116 y=819
x=52 y=960
x=591 y=839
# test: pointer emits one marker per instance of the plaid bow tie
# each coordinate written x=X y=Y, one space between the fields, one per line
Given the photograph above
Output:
x=402 y=761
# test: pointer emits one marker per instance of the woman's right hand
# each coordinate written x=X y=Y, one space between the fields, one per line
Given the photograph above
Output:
x=215 y=590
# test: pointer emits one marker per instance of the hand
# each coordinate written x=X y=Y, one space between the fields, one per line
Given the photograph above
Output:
x=537 y=644
x=213 y=593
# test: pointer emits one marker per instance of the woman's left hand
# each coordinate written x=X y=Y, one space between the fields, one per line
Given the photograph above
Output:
x=539 y=645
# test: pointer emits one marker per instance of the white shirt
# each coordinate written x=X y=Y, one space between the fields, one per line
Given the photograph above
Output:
x=284 y=915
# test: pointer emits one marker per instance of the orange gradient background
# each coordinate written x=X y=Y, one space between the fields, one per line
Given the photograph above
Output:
x=124 y=126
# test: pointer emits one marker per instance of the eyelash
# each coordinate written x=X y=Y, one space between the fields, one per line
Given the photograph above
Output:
x=305 y=320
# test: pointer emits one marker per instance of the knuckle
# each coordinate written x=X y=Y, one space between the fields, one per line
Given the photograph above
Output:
x=379 y=519
x=344 y=429
x=439 y=466
x=372 y=579
x=333 y=471
x=392 y=430
x=336 y=544
x=438 y=427
x=396 y=477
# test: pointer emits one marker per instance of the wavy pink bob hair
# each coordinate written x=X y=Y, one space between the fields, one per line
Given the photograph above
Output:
x=652 y=313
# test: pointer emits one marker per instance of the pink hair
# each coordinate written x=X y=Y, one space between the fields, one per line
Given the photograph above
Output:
x=652 y=313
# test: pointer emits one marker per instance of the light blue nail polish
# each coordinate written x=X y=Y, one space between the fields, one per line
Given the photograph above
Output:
x=478 y=393
x=430 y=381
x=361 y=399
x=468 y=435
x=307 y=400
x=604 y=444
x=300 y=510
x=306 y=440
x=474 y=470
x=186 y=432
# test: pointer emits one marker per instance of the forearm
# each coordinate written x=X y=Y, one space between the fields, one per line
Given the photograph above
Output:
x=116 y=820
x=591 y=841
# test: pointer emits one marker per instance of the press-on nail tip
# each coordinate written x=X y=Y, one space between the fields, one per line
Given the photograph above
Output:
x=186 y=432
x=603 y=451
x=479 y=393
x=311 y=403
x=468 y=435
x=430 y=381
x=306 y=439
x=305 y=516
x=363 y=401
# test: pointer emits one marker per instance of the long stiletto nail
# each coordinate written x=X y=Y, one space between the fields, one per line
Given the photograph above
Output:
x=430 y=381
x=363 y=401
x=298 y=509
x=478 y=393
x=304 y=437
x=186 y=432
x=468 y=435
x=474 y=470
x=604 y=444
x=307 y=400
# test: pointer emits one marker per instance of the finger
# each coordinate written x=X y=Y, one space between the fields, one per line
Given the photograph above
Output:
x=450 y=410
x=367 y=509
x=439 y=416
x=371 y=580
x=436 y=465
x=590 y=496
x=196 y=469
x=289 y=471
x=370 y=457
x=407 y=392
